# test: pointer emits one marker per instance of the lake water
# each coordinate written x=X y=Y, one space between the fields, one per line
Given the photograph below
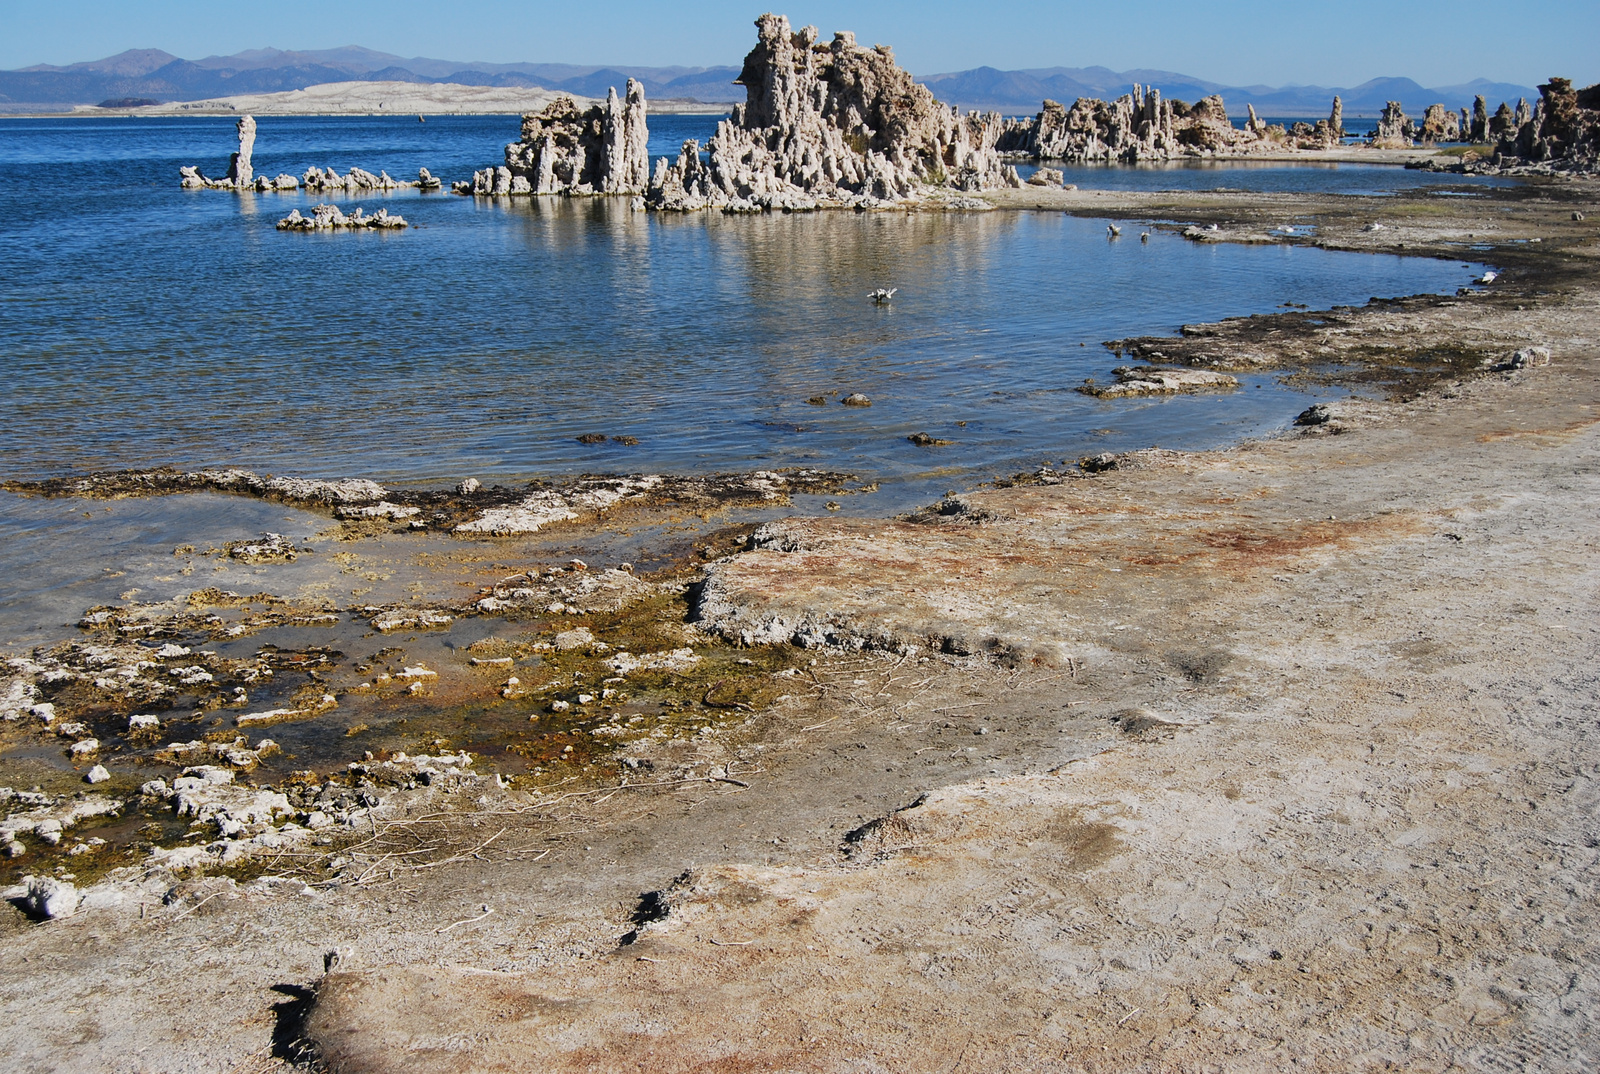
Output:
x=148 y=325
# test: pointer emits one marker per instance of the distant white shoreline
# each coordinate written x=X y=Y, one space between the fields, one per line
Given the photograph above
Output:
x=373 y=99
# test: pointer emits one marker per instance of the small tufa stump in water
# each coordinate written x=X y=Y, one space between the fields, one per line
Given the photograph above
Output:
x=331 y=218
x=1151 y=380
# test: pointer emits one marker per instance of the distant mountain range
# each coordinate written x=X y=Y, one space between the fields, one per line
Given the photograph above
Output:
x=155 y=75
x=151 y=74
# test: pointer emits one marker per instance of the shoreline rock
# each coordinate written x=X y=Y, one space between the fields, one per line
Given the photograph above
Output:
x=476 y=511
x=1135 y=381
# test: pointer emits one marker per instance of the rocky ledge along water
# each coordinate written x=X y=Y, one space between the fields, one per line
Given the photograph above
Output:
x=470 y=508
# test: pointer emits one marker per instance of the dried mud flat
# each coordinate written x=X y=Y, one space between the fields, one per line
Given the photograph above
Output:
x=1278 y=756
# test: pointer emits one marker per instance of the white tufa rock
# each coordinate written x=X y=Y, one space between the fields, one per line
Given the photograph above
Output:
x=48 y=898
x=546 y=506
x=671 y=660
x=565 y=150
x=830 y=125
x=568 y=640
x=332 y=218
x=410 y=619
x=1149 y=380
x=381 y=509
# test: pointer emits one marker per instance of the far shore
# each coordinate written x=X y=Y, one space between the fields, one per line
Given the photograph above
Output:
x=371 y=99
x=660 y=108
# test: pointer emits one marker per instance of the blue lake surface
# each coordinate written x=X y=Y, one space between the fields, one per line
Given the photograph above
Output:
x=145 y=325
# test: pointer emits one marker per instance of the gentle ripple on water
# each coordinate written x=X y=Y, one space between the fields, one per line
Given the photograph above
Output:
x=150 y=325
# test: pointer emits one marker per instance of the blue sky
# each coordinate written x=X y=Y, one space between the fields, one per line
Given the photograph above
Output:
x=1238 y=42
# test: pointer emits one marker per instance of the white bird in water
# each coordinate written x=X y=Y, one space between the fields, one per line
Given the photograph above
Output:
x=1488 y=277
x=1113 y=230
x=882 y=294
x=1144 y=236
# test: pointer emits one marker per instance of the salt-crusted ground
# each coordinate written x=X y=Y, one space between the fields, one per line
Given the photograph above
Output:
x=1280 y=756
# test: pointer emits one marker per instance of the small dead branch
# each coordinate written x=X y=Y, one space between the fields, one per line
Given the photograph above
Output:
x=719 y=684
x=463 y=921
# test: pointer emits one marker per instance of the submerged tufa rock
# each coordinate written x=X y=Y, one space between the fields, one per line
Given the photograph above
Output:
x=834 y=125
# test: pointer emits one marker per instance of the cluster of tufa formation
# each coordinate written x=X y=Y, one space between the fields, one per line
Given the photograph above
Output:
x=1559 y=133
x=319 y=180
x=830 y=125
x=563 y=150
x=1143 y=126
x=241 y=174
